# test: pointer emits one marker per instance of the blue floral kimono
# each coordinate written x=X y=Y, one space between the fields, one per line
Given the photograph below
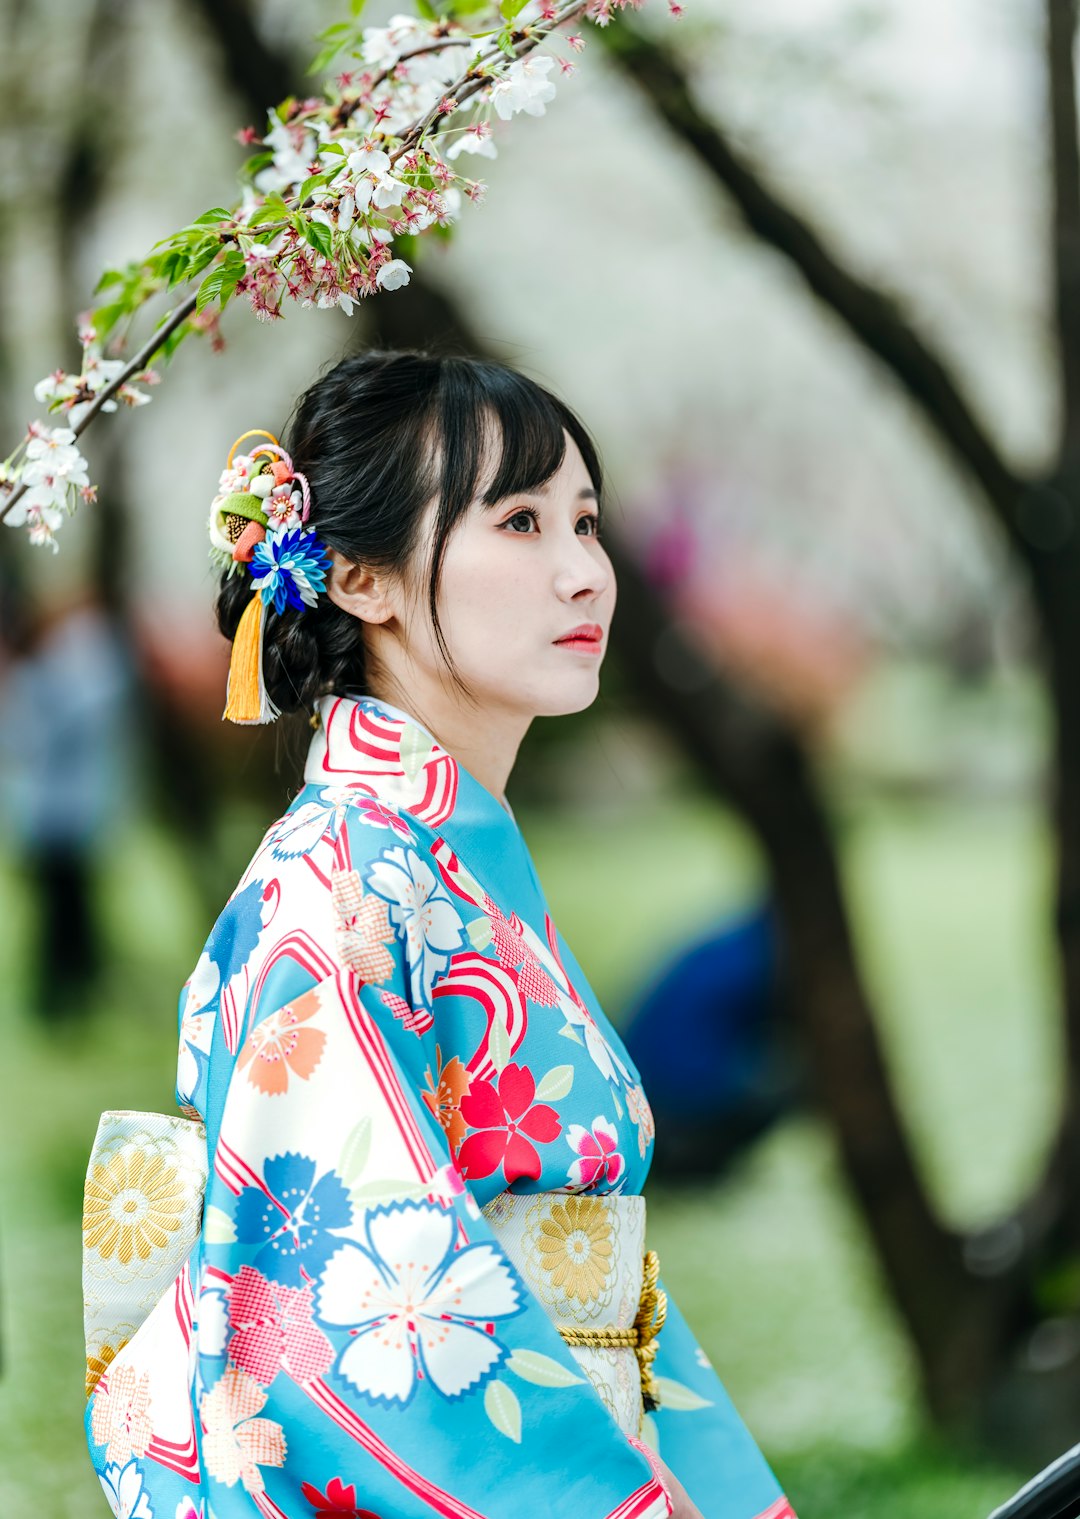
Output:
x=385 y=1031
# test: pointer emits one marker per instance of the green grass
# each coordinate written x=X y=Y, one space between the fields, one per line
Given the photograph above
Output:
x=772 y=1267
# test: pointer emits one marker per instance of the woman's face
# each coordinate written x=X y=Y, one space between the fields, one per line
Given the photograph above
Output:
x=517 y=579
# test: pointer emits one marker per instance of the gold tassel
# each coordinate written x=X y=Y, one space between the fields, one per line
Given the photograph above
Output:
x=246 y=700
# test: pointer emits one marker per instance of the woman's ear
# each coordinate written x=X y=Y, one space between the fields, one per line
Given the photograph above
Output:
x=358 y=589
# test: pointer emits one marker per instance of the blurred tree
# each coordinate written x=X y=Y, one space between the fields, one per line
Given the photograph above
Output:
x=995 y=1320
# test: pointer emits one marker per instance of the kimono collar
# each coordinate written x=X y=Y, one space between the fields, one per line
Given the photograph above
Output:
x=366 y=743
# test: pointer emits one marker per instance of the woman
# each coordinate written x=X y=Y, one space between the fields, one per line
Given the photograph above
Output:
x=386 y=1034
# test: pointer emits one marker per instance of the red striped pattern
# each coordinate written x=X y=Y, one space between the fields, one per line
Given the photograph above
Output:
x=781 y=1509
x=235 y=1172
x=380 y=1063
x=356 y=742
x=344 y=1417
x=180 y=1456
x=449 y=867
x=496 y=990
x=649 y=1502
x=266 y=1505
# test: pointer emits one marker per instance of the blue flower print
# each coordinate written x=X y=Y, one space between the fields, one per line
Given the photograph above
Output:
x=236 y=934
x=294 y=1220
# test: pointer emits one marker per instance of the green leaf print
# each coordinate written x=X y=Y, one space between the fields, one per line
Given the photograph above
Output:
x=504 y=1410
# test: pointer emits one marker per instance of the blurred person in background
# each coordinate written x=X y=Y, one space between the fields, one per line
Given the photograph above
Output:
x=418 y=1280
x=66 y=776
x=734 y=1070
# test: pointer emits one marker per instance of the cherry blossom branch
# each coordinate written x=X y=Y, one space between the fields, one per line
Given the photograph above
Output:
x=473 y=81
x=337 y=183
x=134 y=367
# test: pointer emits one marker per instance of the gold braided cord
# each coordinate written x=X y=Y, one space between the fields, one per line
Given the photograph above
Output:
x=652 y=1311
x=599 y=1339
x=640 y=1337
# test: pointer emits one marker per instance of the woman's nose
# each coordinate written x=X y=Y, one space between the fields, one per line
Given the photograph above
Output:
x=583 y=572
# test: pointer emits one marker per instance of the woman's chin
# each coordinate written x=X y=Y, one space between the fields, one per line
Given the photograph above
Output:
x=570 y=699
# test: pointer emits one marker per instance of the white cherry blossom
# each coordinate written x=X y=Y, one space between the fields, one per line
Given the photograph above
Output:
x=393 y=275
x=524 y=87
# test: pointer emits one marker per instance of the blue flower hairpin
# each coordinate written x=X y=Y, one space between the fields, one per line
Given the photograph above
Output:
x=259 y=519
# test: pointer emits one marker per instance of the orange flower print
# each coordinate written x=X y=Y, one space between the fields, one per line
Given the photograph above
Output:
x=236 y=1443
x=280 y=1044
x=444 y=1096
x=362 y=930
x=120 y=1418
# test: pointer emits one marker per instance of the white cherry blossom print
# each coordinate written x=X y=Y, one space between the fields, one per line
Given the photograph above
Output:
x=197 y=1025
x=415 y=1306
x=123 y=1487
x=298 y=832
x=422 y=913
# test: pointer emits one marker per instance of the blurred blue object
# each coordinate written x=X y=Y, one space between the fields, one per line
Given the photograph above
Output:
x=712 y=1043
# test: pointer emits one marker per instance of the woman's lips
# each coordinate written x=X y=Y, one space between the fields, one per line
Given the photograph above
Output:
x=587 y=639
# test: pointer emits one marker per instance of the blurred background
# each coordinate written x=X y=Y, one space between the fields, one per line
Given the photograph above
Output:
x=810 y=270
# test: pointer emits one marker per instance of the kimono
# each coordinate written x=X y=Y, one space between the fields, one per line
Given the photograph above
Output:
x=384 y=1032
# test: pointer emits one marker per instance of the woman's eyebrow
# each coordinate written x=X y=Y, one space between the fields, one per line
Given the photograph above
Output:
x=587 y=493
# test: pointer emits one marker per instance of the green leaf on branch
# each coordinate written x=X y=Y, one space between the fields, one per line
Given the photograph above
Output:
x=510 y=8
x=106 y=317
x=313 y=182
x=110 y=277
x=220 y=283
x=315 y=233
x=504 y=41
x=211 y=218
x=335 y=39
x=264 y=214
x=256 y=163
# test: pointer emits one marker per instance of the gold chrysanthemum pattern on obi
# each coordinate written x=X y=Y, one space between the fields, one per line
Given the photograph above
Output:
x=576 y=1248
x=97 y=1365
x=132 y=1205
x=582 y=1257
x=141 y=1210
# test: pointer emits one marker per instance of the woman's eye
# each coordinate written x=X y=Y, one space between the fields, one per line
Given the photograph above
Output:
x=526 y=514
x=591 y=523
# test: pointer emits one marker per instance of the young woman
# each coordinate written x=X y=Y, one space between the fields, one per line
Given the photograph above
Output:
x=418 y=1284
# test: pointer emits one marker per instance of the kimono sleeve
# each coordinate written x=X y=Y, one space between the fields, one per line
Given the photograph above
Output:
x=699 y=1434
x=375 y=1353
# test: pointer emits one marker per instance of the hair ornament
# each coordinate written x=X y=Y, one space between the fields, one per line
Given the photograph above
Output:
x=258 y=522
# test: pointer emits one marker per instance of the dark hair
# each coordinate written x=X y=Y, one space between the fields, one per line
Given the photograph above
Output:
x=378 y=438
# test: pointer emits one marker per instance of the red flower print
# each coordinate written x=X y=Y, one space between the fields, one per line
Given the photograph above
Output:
x=505 y=1120
x=272 y=1329
x=338 y=1502
x=516 y=954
